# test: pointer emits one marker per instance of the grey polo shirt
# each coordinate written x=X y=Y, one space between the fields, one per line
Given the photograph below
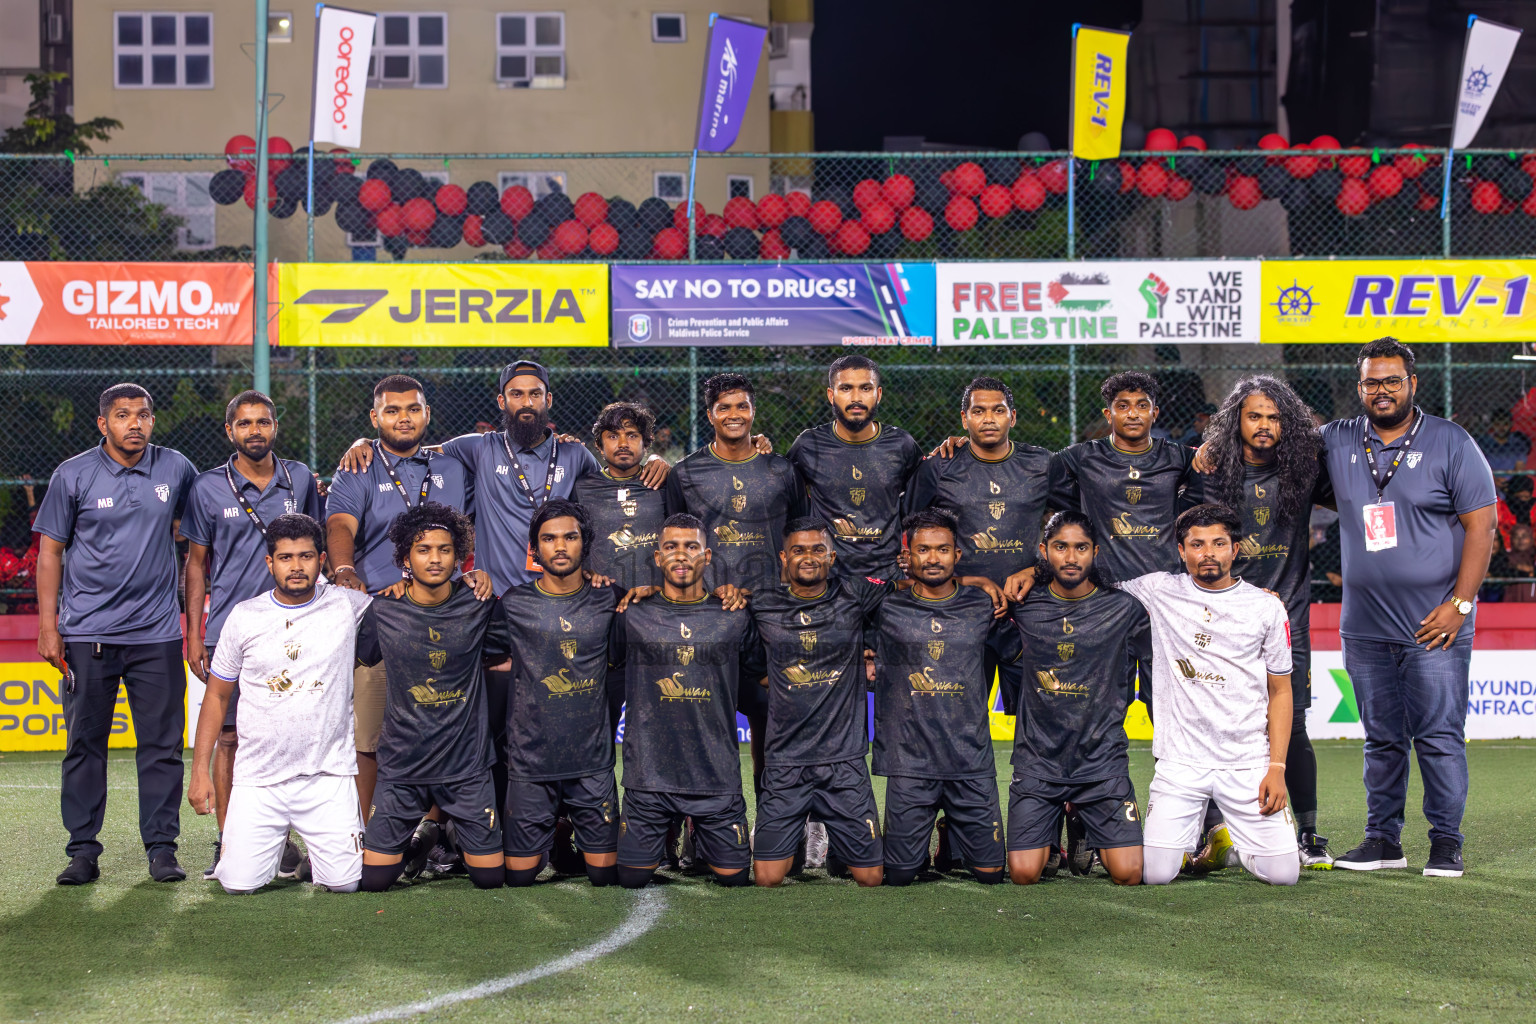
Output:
x=117 y=525
x=237 y=549
x=1444 y=475
x=374 y=501
x=503 y=512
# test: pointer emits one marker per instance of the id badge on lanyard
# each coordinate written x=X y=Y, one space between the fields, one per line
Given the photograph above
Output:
x=1380 y=526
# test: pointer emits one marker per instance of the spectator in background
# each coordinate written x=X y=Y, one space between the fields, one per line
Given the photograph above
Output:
x=1327 y=564
x=1183 y=393
x=1195 y=435
x=1518 y=560
x=1515 y=505
x=484 y=426
x=1507 y=449
x=665 y=446
x=18 y=557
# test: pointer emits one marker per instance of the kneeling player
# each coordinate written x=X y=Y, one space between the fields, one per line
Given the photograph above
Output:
x=932 y=737
x=435 y=744
x=559 y=727
x=684 y=657
x=290 y=651
x=1079 y=637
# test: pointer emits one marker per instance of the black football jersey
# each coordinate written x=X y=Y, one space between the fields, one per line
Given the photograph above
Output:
x=1132 y=499
x=1000 y=505
x=436 y=723
x=858 y=488
x=744 y=506
x=1075 y=656
x=931 y=686
x=1273 y=555
x=682 y=665
x=557 y=713
x=626 y=523
x=814 y=651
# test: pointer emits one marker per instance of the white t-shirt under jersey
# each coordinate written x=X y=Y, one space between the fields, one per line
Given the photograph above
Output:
x=1212 y=653
x=293 y=664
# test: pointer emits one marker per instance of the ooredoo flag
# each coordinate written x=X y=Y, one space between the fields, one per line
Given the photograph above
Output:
x=1098 y=91
x=730 y=67
x=343 y=40
x=1489 y=49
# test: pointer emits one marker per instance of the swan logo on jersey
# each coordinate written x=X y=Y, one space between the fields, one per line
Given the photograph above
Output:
x=561 y=684
x=1050 y=682
x=1123 y=527
x=672 y=688
x=426 y=693
x=924 y=683
x=1189 y=671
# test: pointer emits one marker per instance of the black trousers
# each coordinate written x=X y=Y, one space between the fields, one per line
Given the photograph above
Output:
x=157 y=689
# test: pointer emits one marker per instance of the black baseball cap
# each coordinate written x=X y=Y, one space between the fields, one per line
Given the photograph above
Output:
x=521 y=368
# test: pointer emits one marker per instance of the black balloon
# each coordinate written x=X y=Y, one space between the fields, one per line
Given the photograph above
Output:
x=1001 y=170
x=397 y=246
x=497 y=228
x=228 y=186
x=284 y=208
x=741 y=244
x=1275 y=181
x=559 y=206
x=1325 y=184
x=322 y=203
x=1250 y=165
x=883 y=247
x=634 y=244
x=654 y=215
x=1208 y=177
x=483 y=198
x=407 y=184
x=446 y=233
x=1106 y=178
x=381 y=168
x=708 y=247
x=622 y=214
x=291 y=183
x=796 y=232
x=353 y=219
x=814 y=249
x=344 y=186
x=533 y=231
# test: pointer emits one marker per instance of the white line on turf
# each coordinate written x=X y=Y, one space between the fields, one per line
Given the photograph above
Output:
x=648 y=907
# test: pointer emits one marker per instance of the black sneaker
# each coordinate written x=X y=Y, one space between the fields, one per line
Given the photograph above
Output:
x=427 y=833
x=82 y=870
x=1444 y=859
x=562 y=852
x=1052 y=862
x=1079 y=853
x=1372 y=855
x=944 y=860
x=218 y=851
x=1314 y=853
x=163 y=867
x=288 y=867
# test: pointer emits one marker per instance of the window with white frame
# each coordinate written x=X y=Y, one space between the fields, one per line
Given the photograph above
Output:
x=410 y=50
x=738 y=185
x=540 y=183
x=530 y=49
x=162 y=50
x=670 y=185
x=372 y=239
x=669 y=28
x=186 y=196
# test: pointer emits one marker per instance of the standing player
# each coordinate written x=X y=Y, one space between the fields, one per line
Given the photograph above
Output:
x=435 y=743
x=856 y=469
x=560 y=732
x=626 y=515
x=685 y=658
x=107 y=617
x=1077 y=634
x=813 y=638
x=1222 y=676
x=1264 y=448
x=290 y=651
x=226 y=525
x=359 y=508
x=932 y=738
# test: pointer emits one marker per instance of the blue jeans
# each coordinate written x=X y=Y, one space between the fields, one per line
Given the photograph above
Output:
x=1406 y=693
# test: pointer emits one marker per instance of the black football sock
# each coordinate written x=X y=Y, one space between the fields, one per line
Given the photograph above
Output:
x=633 y=878
x=601 y=876
x=488 y=878
x=732 y=880
x=518 y=877
x=900 y=876
x=987 y=877
x=1301 y=774
x=379 y=877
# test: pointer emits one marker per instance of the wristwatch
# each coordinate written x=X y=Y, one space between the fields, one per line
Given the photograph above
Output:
x=1462 y=607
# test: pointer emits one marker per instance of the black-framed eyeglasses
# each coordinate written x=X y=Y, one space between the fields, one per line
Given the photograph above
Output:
x=1391 y=385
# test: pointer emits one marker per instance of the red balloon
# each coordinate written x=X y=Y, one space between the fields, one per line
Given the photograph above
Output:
x=1354 y=198
x=741 y=213
x=1486 y=197
x=1426 y=202
x=879 y=217
x=670 y=244
x=680 y=216
x=1385 y=182
x=1161 y=140
x=472 y=235
x=1152 y=179
x=389 y=221
x=825 y=217
x=451 y=200
x=550 y=251
x=240 y=153
x=969 y=179
x=1244 y=192
x=1054 y=177
x=709 y=224
x=1408 y=164
x=418 y=215
x=772 y=210
x=603 y=239
x=1178 y=188
x=851 y=238
x=1301 y=166
x=960 y=214
x=799 y=203
x=916 y=224
x=418 y=238
x=1355 y=166
x=591 y=209
x=1127 y=176
x=772 y=247
x=516 y=249
x=995 y=201
x=569 y=238
x=899 y=191
x=866 y=192
x=517 y=203
x=279 y=153
x=1192 y=142
x=373 y=196
x=250 y=193
x=947 y=179
x=1273 y=141
x=342 y=160
x=1028 y=193
x=1326 y=142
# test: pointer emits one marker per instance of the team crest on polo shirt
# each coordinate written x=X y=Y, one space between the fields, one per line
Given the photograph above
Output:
x=290 y=505
x=1413 y=459
x=163 y=492
x=437 y=480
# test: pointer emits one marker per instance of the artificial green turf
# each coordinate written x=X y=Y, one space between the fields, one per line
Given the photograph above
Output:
x=1388 y=946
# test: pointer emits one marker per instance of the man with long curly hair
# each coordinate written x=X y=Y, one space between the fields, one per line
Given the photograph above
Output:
x=1263 y=448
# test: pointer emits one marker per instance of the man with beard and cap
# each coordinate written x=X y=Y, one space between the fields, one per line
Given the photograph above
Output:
x=1416 y=523
x=226 y=527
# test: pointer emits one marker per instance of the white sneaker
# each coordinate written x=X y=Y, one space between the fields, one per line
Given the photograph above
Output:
x=816 y=842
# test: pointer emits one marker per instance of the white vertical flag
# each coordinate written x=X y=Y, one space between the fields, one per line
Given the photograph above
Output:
x=1489 y=49
x=343 y=41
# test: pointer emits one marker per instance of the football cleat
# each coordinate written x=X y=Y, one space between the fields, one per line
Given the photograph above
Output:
x=289 y=866
x=218 y=851
x=1079 y=853
x=419 y=849
x=1313 y=850
x=816 y=843
x=1215 y=854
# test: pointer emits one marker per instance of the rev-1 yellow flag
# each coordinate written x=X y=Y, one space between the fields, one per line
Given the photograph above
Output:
x=1098 y=91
